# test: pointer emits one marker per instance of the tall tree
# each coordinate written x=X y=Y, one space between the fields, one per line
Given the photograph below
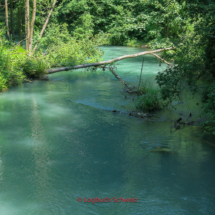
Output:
x=19 y=18
x=32 y=25
x=6 y=17
x=11 y=20
x=27 y=27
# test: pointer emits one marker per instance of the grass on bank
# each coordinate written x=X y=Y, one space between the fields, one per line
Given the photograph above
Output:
x=149 y=99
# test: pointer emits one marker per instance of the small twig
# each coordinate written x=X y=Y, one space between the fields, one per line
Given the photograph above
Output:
x=116 y=75
x=45 y=53
x=123 y=94
x=19 y=42
x=16 y=45
x=140 y=75
x=27 y=80
x=161 y=59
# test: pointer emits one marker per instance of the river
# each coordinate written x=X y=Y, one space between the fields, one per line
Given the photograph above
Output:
x=60 y=141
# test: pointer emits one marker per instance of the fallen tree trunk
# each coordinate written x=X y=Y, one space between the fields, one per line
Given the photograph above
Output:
x=50 y=71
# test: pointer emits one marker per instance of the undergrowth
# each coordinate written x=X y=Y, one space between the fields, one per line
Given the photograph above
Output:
x=149 y=99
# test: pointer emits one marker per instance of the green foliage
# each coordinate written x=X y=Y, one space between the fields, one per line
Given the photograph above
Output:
x=10 y=72
x=33 y=66
x=209 y=106
x=53 y=51
x=55 y=35
x=150 y=100
x=65 y=50
x=194 y=63
x=133 y=42
x=2 y=33
x=125 y=21
x=73 y=53
x=83 y=27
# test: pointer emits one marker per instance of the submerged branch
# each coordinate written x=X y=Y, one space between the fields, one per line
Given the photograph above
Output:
x=50 y=71
x=117 y=76
x=140 y=75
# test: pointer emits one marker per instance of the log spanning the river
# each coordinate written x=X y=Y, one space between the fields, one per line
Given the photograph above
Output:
x=50 y=71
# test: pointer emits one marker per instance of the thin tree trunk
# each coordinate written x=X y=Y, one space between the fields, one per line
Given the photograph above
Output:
x=32 y=25
x=45 y=24
x=140 y=75
x=11 y=20
x=50 y=71
x=27 y=27
x=166 y=33
x=6 y=17
x=19 y=17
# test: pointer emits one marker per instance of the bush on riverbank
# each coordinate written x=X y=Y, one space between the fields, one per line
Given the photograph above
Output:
x=10 y=73
x=209 y=106
x=194 y=61
x=69 y=51
x=150 y=100
x=134 y=43
x=16 y=65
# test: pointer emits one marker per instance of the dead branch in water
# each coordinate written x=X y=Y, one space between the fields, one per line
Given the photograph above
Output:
x=117 y=76
x=140 y=75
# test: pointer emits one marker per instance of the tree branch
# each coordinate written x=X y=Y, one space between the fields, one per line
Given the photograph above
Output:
x=44 y=26
x=50 y=71
x=161 y=59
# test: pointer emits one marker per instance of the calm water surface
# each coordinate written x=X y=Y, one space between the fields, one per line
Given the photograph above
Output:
x=58 y=142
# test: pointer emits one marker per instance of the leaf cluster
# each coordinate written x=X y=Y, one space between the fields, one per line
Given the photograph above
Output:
x=194 y=64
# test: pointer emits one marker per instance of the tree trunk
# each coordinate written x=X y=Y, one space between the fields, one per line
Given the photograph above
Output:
x=45 y=24
x=6 y=19
x=19 y=17
x=32 y=25
x=11 y=20
x=50 y=71
x=27 y=27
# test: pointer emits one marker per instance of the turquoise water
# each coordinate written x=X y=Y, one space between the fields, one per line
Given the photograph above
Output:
x=59 y=141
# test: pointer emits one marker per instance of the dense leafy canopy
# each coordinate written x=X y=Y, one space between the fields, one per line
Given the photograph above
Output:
x=126 y=20
x=194 y=62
